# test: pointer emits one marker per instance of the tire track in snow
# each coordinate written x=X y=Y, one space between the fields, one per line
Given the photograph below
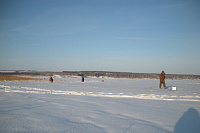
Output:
x=15 y=89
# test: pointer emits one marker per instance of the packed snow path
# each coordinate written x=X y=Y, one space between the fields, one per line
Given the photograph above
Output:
x=116 y=105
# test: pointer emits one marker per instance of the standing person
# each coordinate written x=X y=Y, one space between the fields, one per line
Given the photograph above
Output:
x=162 y=80
x=51 y=79
x=82 y=79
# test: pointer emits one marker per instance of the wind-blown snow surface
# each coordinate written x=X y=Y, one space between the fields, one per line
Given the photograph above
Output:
x=113 y=106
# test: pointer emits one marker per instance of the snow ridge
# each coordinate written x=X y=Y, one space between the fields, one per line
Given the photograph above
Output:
x=16 y=89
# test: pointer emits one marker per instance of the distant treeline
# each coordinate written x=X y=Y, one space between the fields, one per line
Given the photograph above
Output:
x=128 y=75
x=102 y=74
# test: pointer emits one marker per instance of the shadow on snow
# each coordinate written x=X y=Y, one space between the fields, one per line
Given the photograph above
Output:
x=189 y=122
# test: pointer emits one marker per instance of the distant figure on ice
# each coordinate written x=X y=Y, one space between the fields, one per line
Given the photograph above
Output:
x=51 y=79
x=162 y=80
x=82 y=80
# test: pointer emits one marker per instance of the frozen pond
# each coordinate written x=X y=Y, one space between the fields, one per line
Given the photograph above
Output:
x=113 y=106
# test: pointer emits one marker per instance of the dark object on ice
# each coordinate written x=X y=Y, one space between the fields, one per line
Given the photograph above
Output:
x=51 y=79
x=162 y=80
x=189 y=122
x=82 y=80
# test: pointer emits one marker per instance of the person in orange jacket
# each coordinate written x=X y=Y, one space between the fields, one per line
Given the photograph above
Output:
x=162 y=80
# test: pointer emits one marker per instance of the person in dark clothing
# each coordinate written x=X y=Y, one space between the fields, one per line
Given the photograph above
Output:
x=162 y=80
x=82 y=79
x=51 y=79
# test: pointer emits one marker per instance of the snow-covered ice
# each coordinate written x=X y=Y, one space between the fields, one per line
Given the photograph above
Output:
x=113 y=106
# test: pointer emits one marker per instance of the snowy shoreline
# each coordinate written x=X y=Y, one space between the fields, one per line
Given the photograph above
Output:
x=98 y=74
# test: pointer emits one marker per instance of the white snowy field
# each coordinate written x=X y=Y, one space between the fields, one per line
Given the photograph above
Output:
x=114 y=106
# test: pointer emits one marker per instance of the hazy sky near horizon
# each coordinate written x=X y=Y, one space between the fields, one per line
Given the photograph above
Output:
x=104 y=35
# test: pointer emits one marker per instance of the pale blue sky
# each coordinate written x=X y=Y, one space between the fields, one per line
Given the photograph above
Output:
x=145 y=36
